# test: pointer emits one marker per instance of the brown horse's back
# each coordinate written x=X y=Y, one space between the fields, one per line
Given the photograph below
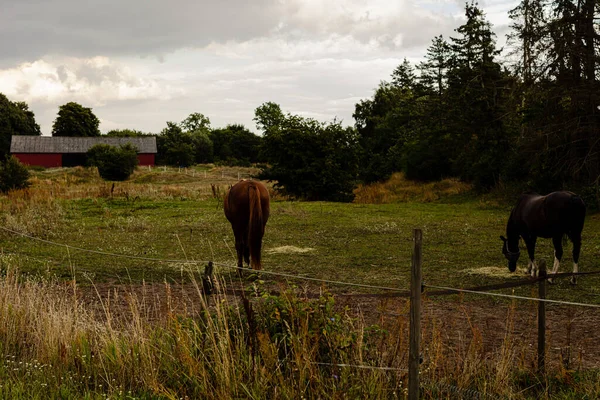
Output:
x=247 y=208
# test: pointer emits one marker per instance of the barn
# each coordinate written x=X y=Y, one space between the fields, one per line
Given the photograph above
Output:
x=50 y=151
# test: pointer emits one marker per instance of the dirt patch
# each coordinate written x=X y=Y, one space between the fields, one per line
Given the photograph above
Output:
x=496 y=272
x=571 y=336
x=289 y=250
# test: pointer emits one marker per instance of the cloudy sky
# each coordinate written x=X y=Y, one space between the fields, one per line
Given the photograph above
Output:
x=140 y=63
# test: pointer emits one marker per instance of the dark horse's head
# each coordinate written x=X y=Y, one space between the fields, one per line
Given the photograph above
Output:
x=511 y=256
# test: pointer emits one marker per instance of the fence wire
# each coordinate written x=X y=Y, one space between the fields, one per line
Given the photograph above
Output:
x=195 y=262
x=403 y=292
x=511 y=296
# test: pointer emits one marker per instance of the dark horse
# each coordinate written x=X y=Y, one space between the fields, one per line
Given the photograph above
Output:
x=247 y=208
x=550 y=216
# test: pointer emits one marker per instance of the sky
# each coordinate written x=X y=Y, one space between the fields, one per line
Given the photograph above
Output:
x=141 y=63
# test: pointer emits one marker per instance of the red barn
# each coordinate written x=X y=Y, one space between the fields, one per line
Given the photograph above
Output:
x=62 y=151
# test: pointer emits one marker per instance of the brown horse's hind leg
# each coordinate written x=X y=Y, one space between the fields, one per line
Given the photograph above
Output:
x=247 y=254
x=239 y=249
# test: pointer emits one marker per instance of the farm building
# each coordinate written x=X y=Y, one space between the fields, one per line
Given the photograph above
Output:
x=49 y=151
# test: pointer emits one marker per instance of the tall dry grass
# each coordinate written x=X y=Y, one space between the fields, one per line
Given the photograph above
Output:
x=138 y=344
x=400 y=189
x=147 y=183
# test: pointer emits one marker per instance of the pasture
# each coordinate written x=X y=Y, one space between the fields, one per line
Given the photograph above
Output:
x=145 y=233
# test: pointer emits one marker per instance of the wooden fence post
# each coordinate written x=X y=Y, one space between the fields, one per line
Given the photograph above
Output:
x=541 y=356
x=207 y=279
x=415 y=316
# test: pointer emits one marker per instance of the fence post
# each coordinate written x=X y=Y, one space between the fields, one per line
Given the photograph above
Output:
x=541 y=356
x=207 y=279
x=415 y=316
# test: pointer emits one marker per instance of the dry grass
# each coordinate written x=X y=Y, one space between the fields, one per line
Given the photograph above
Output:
x=143 y=342
x=131 y=342
x=140 y=343
x=399 y=189
x=148 y=183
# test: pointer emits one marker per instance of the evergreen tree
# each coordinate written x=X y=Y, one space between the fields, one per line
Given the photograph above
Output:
x=477 y=100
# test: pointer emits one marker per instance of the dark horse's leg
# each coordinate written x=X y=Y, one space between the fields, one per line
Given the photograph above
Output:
x=576 y=239
x=558 y=253
x=530 y=243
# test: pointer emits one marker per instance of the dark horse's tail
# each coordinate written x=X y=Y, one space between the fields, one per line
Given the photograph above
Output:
x=256 y=226
x=577 y=214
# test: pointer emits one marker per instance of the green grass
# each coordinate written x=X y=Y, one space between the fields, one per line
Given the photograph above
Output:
x=172 y=215
x=368 y=244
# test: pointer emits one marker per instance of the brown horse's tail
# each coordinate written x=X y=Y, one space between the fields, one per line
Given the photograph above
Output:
x=256 y=226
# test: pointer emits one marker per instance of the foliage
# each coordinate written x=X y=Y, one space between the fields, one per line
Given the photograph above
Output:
x=187 y=143
x=311 y=160
x=235 y=145
x=386 y=123
x=557 y=47
x=322 y=328
x=13 y=175
x=268 y=116
x=196 y=122
x=75 y=120
x=175 y=147
x=197 y=129
x=203 y=147
x=15 y=119
x=452 y=119
x=126 y=133
x=114 y=163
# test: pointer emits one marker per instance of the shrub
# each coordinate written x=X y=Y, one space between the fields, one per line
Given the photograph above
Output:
x=114 y=163
x=312 y=160
x=13 y=175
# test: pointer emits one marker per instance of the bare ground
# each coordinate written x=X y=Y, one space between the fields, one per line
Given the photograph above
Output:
x=572 y=335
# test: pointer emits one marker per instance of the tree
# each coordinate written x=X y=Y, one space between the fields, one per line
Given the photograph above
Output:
x=13 y=175
x=175 y=147
x=196 y=122
x=75 y=120
x=311 y=160
x=476 y=99
x=235 y=145
x=559 y=45
x=388 y=120
x=15 y=119
x=435 y=67
x=203 y=147
x=126 y=133
x=197 y=126
x=114 y=163
x=267 y=116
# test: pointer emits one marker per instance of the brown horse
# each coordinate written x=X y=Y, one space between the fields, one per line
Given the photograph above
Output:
x=247 y=209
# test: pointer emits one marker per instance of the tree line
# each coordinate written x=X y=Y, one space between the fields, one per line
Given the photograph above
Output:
x=529 y=120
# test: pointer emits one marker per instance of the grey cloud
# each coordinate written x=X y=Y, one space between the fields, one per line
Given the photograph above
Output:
x=61 y=71
x=31 y=29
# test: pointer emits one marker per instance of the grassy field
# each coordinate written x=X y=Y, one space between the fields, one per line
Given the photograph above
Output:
x=176 y=215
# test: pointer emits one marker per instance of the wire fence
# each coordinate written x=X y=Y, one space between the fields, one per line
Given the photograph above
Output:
x=445 y=290
x=398 y=292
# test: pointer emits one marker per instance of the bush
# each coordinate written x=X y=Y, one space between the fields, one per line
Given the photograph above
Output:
x=13 y=175
x=311 y=160
x=114 y=163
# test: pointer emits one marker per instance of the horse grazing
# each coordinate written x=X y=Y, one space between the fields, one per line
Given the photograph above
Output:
x=246 y=207
x=552 y=216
